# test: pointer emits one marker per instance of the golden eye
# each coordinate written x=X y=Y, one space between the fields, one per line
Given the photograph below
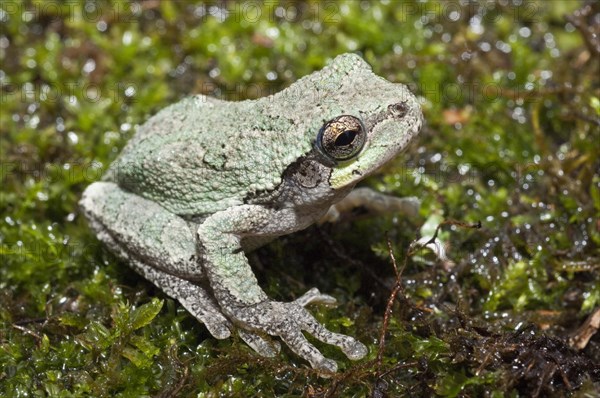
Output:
x=342 y=138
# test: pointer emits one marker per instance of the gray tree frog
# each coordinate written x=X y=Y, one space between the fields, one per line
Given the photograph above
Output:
x=204 y=181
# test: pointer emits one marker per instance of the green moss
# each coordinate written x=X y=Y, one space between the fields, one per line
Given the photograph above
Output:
x=510 y=94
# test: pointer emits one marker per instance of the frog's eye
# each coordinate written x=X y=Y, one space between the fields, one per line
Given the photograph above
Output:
x=342 y=138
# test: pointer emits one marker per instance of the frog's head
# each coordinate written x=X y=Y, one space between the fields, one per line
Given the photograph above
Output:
x=367 y=121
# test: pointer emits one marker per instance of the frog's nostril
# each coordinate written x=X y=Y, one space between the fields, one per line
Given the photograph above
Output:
x=398 y=109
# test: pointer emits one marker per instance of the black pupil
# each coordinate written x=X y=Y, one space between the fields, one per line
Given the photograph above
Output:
x=345 y=138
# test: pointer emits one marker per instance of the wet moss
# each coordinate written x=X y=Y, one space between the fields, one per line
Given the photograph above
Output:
x=511 y=95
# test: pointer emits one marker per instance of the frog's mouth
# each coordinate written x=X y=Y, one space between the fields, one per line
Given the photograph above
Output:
x=389 y=133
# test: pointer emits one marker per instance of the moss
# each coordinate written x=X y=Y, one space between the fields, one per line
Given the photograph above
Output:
x=510 y=94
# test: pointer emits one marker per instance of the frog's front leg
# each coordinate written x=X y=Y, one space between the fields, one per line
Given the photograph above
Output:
x=244 y=302
x=374 y=202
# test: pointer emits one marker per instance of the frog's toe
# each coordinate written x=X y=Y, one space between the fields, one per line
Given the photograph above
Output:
x=353 y=348
x=263 y=346
x=201 y=305
x=326 y=367
x=216 y=324
x=216 y=329
x=291 y=333
x=301 y=346
x=314 y=296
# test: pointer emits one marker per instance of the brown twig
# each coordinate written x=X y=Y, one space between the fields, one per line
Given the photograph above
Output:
x=588 y=32
x=30 y=332
x=398 y=286
x=461 y=224
x=390 y=303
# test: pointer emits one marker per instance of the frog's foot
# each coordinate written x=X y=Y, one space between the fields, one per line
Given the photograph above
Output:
x=314 y=296
x=374 y=202
x=288 y=320
x=268 y=347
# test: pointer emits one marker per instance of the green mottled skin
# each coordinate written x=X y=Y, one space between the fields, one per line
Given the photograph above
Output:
x=204 y=180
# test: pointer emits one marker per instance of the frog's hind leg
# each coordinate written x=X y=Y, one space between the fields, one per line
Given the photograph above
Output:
x=194 y=298
x=157 y=244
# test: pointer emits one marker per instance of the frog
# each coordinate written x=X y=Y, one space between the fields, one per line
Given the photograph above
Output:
x=205 y=181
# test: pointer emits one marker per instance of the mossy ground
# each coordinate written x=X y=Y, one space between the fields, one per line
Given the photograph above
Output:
x=510 y=91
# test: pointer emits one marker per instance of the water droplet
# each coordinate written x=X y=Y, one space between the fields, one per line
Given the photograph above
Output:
x=42 y=196
x=89 y=66
x=73 y=137
x=127 y=38
x=525 y=31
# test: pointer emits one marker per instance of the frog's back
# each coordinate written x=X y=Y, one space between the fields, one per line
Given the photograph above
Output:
x=202 y=155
